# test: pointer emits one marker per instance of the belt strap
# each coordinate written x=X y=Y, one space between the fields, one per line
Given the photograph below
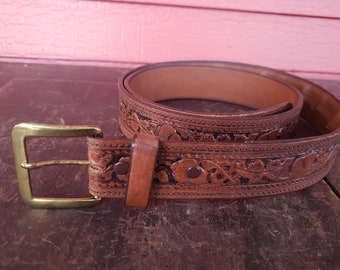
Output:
x=176 y=154
x=220 y=155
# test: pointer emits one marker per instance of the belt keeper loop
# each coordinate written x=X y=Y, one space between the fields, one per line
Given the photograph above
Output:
x=143 y=160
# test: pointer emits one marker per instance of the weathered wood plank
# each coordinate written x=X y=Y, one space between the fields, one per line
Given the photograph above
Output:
x=327 y=9
x=293 y=231
x=135 y=33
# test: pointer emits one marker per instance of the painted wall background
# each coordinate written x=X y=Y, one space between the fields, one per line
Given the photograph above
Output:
x=296 y=36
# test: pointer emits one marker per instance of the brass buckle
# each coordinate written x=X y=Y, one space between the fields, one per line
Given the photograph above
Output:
x=23 y=130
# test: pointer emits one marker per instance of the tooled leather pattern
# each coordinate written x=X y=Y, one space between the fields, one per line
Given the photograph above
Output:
x=133 y=121
x=171 y=171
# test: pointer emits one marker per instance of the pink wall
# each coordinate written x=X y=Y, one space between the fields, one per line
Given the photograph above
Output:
x=301 y=36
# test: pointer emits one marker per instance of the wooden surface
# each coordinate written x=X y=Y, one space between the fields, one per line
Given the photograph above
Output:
x=294 y=231
x=290 y=35
x=302 y=8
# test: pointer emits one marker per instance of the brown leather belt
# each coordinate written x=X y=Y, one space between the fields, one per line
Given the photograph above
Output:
x=178 y=154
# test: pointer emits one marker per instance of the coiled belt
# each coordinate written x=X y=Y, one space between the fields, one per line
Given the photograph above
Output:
x=179 y=154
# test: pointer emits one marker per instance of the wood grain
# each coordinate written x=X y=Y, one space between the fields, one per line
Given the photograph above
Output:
x=293 y=231
x=327 y=9
x=300 y=37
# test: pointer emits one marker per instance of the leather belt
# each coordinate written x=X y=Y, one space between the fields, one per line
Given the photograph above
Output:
x=179 y=154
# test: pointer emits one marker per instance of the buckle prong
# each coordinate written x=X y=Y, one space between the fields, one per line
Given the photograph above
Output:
x=19 y=134
x=36 y=165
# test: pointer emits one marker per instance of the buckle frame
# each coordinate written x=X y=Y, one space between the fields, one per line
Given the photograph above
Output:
x=23 y=130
